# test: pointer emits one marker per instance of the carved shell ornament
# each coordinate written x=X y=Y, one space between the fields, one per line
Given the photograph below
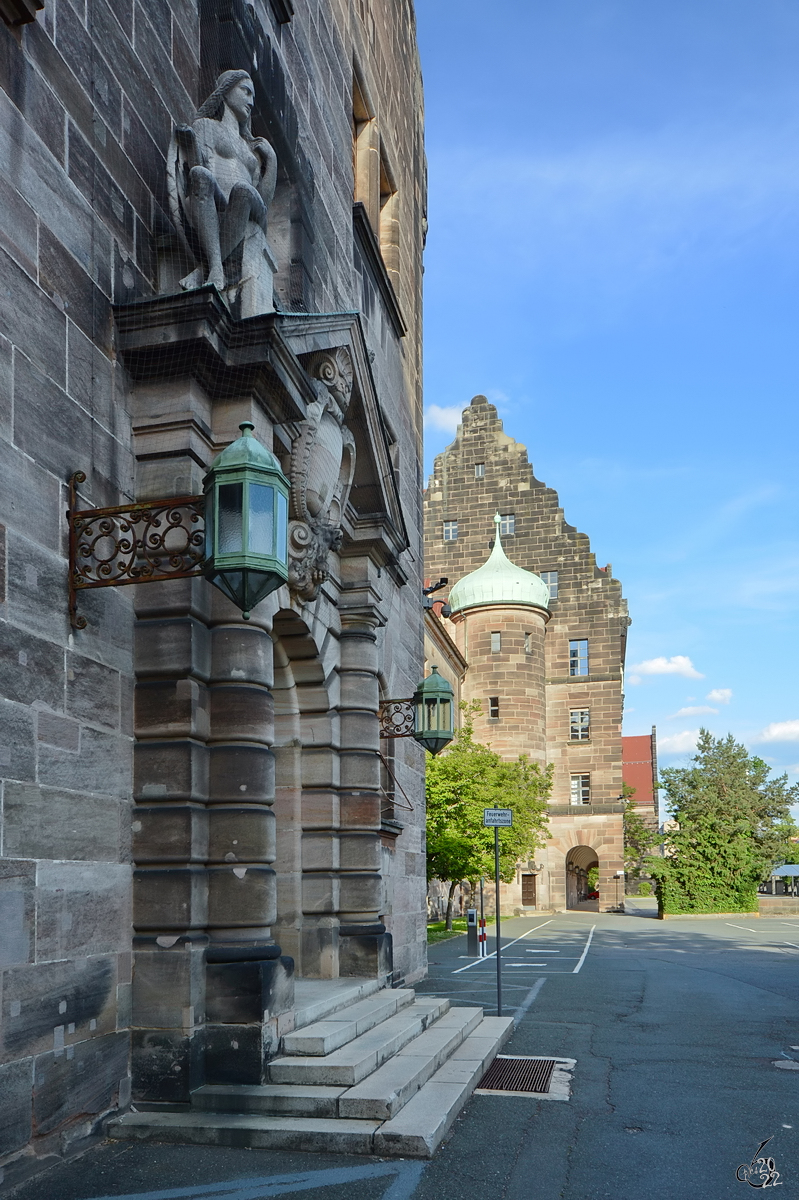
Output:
x=322 y=469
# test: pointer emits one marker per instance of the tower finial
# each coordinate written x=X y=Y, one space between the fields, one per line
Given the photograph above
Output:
x=498 y=522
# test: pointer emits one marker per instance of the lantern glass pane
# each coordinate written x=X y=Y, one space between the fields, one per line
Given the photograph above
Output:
x=261 y=532
x=209 y=525
x=281 y=529
x=431 y=714
x=229 y=511
x=444 y=718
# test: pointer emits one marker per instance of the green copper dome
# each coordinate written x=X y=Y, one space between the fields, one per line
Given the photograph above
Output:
x=499 y=581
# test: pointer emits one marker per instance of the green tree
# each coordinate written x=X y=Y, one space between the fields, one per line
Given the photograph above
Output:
x=729 y=819
x=463 y=781
x=639 y=837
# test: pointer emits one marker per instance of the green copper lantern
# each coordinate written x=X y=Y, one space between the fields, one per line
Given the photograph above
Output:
x=246 y=522
x=433 y=705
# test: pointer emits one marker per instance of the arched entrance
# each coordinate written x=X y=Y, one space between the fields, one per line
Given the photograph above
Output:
x=579 y=861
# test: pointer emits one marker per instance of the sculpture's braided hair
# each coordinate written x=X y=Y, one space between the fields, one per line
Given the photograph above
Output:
x=212 y=107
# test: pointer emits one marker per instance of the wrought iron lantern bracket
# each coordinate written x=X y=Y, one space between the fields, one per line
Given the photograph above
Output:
x=397 y=718
x=146 y=542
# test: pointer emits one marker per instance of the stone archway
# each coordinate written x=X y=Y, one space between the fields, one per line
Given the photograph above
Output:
x=306 y=801
x=579 y=861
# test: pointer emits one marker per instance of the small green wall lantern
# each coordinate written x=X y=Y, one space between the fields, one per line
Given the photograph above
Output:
x=433 y=706
x=246 y=522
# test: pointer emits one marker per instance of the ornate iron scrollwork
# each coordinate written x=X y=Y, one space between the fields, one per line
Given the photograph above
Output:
x=396 y=718
x=132 y=543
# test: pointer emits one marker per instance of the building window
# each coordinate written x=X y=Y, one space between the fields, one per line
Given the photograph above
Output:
x=507 y=524
x=580 y=724
x=550 y=578
x=578 y=657
x=479 y=470
x=581 y=789
x=450 y=531
x=528 y=643
x=493 y=707
x=528 y=891
x=496 y=643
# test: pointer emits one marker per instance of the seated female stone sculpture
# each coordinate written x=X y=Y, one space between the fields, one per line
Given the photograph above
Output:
x=221 y=183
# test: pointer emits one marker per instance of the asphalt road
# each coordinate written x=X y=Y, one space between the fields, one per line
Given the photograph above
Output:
x=675 y=1027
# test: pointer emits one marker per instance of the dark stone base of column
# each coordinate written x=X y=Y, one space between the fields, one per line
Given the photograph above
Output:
x=366 y=951
x=244 y=1002
x=167 y=1064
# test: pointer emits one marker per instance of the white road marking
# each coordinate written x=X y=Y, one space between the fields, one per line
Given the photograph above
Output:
x=542 y=951
x=585 y=951
x=746 y=927
x=493 y=954
x=528 y=1000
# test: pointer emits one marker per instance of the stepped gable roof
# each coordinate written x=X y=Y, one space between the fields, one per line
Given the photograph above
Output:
x=499 y=581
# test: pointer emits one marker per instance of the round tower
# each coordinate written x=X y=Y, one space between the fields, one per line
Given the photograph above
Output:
x=500 y=612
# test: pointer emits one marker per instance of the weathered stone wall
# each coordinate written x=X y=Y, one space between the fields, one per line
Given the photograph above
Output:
x=89 y=94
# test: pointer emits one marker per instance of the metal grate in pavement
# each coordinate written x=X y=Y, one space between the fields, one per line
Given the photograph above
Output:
x=520 y=1074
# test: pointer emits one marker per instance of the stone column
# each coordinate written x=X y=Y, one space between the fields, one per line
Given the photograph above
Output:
x=170 y=839
x=364 y=944
x=248 y=982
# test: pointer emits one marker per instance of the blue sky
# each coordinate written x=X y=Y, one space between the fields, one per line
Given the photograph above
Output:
x=613 y=259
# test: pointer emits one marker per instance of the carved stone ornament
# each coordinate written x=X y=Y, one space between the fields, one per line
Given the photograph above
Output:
x=322 y=469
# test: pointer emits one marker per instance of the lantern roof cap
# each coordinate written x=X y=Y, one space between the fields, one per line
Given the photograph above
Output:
x=499 y=581
x=434 y=685
x=246 y=451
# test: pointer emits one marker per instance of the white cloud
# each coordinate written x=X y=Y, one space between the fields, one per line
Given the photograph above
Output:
x=678 y=664
x=446 y=419
x=678 y=743
x=780 y=731
x=693 y=710
x=719 y=696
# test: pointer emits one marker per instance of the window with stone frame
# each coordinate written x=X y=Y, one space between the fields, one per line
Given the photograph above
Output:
x=528 y=643
x=493 y=708
x=374 y=179
x=507 y=524
x=450 y=531
x=579 y=724
x=479 y=470
x=578 y=656
x=580 y=789
x=496 y=642
x=550 y=578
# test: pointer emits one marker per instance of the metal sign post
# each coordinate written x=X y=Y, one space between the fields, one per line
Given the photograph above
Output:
x=497 y=817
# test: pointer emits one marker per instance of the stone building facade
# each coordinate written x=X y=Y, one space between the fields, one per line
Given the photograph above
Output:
x=193 y=805
x=482 y=473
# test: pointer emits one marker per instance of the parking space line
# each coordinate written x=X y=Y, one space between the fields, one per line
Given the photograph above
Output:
x=585 y=951
x=504 y=948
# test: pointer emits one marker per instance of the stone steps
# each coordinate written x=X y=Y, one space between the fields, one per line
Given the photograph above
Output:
x=353 y=1062
x=323 y=1037
x=393 y=1089
x=383 y=1093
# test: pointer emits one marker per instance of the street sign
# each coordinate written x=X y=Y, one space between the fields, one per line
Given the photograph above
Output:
x=498 y=817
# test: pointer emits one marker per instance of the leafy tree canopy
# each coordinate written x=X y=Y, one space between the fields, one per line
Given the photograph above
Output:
x=730 y=832
x=463 y=781
x=639 y=837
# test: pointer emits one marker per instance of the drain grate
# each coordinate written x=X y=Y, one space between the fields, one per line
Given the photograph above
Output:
x=518 y=1074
